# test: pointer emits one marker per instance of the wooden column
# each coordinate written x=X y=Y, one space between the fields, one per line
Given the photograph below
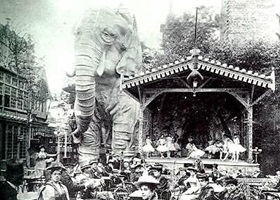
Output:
x=141 y=124
x=250 y=133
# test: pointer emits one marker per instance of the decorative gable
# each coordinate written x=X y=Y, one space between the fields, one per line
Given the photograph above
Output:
x=203 y=64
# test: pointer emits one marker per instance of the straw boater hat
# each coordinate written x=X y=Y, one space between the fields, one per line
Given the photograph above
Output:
x=192 y=180
x=202 y=176
x=192 y=169
x=55 y=166
x=157 y=167
x=136 y=195
x=146 y=179
x=230 y=180
x=86 y=164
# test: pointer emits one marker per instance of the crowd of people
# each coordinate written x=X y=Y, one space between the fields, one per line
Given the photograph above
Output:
x=132 y=178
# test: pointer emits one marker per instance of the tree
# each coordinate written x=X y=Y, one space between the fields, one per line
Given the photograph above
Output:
x=17 y=54
x=17 y=51
x=178 y=34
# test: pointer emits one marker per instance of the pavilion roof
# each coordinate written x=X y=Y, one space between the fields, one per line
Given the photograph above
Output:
x=204 y=64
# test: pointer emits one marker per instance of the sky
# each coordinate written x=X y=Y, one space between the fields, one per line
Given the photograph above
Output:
x=51 y=22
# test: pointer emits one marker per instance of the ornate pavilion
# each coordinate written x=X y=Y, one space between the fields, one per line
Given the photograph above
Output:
x=211 y=97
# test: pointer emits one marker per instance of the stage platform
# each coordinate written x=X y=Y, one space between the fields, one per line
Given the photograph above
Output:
x=230 y=166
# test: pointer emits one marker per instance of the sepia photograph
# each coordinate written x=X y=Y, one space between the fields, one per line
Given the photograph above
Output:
x=139 y=99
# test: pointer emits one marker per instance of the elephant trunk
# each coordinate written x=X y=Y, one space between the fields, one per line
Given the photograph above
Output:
x=87 y=60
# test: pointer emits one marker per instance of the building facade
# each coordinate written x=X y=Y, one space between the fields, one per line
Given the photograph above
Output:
x=22 y=117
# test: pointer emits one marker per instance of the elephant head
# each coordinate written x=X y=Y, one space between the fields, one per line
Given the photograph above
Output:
x=106 y=44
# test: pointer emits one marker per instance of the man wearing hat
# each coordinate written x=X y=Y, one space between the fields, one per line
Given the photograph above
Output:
x=164 y=186
x=183 y=175
x=206 y=191
x=231 y=192
x=215 y=174
x=13 y=179
x=136 y=172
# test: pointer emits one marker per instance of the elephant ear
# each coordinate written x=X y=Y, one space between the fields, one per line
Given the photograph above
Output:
x=131 y=61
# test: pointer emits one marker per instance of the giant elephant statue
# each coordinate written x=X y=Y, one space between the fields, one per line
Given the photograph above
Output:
x=107 y=48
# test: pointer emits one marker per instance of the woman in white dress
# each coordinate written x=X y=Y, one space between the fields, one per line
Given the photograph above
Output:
x=162 y=148
x=229 y=148
x=41 y=161
x=148 y=148
x=170 y=145
x=238 y=147
x=214 y=148
x=193 y=151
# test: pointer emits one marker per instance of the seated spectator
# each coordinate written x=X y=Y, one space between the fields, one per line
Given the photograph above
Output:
x=198 y=164
x=239 y=174
x=193 y=190
x=215 y=173
x=148 y=185
x=164 y=185
x=13 y=179
x=231 y=192
x=136 y=172
x=206 y=191
x=183 y=175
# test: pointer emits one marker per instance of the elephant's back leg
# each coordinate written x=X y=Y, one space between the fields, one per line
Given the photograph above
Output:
x=89 y=147
x=124 y=115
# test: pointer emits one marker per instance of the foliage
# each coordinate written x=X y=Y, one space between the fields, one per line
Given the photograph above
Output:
x=17 y=54
x=178 y=34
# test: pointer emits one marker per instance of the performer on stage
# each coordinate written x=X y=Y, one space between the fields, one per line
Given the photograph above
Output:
x=162 y=148
x=148 y=148
x=238 y=147
x=170 y=145
x=214 y=148
x=228 y=148
x=193 y=151
x=178 y=151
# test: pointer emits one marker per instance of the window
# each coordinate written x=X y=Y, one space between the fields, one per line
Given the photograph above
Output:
x=7 y=89
x=9 y=141
x=22 y=150
x=42 y=107
x=14 y=82
x=38 y=105
x=13 y=98
x=7 y=100
x=1 y=100
x=20 y=95
x=19 y=104
x=1 y=88
x=7 y=78
x=25 y=103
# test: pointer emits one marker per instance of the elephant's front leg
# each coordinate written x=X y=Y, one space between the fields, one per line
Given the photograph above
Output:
x=89 y=148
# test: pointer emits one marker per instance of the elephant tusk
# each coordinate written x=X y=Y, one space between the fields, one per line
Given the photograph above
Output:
x=101 y=67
